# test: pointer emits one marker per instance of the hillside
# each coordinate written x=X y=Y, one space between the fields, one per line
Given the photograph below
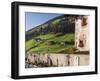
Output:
x=53 y=36
x=62 y=24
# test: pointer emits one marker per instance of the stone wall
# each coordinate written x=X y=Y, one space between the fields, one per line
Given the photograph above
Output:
x=57 y=60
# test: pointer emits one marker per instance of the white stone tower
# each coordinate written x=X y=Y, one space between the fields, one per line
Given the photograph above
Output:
x=82 y=33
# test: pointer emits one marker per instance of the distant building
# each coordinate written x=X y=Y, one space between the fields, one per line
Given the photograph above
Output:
x=82 y=33
x=38 y=39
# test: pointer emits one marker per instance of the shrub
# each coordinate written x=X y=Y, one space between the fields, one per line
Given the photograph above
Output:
x=51 y=42
x=69 y=50
x=58 y=34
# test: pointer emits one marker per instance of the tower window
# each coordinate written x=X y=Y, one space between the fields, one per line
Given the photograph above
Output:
x=84 y=21
x=81 y=43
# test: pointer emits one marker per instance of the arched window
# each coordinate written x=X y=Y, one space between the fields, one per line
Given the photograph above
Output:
x=81 y=44
x=82 y=40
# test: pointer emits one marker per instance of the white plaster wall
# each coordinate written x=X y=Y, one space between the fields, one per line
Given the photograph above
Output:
x=79 y=31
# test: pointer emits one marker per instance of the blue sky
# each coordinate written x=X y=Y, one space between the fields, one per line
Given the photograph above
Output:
x=33 y=19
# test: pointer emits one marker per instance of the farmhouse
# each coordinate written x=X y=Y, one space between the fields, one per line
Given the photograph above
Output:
x=38 y=39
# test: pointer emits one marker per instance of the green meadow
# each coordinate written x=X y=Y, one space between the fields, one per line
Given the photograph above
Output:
x=51 y=43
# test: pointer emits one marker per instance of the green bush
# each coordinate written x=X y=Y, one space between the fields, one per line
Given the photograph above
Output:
x=69 y=50
x=51 y=42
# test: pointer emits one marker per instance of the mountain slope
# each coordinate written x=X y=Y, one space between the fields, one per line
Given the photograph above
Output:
x=53 y=36
x=62 y=24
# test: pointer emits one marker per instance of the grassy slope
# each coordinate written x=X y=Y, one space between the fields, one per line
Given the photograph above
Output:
x=33 y=46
